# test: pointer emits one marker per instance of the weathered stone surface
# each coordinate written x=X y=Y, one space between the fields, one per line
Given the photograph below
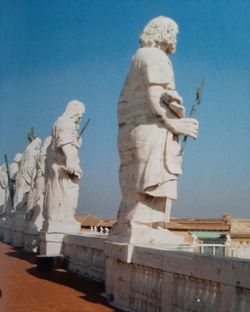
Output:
x=24 y=184
x=85 y=255
x=62 y=178
x=155 y=279
x=34 y=214
x=4 y=194
x=151 y=118
x=9 y=209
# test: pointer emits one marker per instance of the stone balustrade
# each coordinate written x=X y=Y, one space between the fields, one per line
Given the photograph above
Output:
x=175 y=281
x=85 y=255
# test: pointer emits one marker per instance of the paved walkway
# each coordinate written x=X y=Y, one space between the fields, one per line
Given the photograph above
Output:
x=25 y=289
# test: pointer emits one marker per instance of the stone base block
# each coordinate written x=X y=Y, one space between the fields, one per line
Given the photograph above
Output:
x=2 y=226
x=50 y=243
x=142 y=234
x=31 y=237
x=18 y=227
x=7 y=236
x=17 y=239
x=1 y=233
x=52 y=235
x=31 y=242
x=47 y=263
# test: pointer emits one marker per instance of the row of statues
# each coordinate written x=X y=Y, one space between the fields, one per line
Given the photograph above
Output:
x=151 y=117
x=45 y=180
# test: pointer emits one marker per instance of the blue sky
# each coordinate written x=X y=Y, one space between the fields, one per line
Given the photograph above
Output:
x=55 y=51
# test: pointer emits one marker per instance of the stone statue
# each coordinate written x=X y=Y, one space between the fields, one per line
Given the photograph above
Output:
x=151 y=118
x=34 y=218
x=25 y=178
x=63 y=170
x=24 y=185
x=14 y=169
x=3 y=198
x=9 y=209
x=62 y=177
x=36 y=196
x=3 y=188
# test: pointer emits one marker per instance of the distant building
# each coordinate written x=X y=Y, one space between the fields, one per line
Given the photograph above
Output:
x=225 y=236
x=89 y=222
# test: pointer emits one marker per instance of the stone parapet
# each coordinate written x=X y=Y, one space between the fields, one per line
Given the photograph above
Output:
x=84 y=254
x=156 y=279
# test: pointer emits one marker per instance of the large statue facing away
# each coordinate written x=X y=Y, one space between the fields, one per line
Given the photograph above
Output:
x=151 y=118
x=63 y=170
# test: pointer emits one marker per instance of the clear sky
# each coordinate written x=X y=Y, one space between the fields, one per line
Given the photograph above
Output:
x=53 y=51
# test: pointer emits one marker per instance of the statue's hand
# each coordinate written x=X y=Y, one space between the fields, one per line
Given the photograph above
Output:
x=185 y=126
x=73 y=169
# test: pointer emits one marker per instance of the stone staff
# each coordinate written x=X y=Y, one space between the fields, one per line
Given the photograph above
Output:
x=83 y=128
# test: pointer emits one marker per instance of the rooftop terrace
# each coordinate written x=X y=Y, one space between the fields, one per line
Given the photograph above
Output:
x=24 y=288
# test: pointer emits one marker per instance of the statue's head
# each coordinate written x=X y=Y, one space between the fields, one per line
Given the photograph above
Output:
x=161 y=33
x=34 y=145
x=75 y=110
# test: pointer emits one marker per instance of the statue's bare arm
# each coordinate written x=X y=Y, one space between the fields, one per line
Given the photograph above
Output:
x=182 y=126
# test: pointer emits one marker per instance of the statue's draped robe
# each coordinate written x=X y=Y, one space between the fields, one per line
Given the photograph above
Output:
x=36 y=198
x=3 y=189
x=61 y=195
x=25 y=176
x=149 y=153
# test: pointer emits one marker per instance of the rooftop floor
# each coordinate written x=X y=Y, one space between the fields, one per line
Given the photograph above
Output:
x=23 y=288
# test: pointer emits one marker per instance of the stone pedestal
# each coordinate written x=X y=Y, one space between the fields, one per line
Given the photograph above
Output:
x=8 y=230
x=17 y=230
x=2 y=225
x=144 y=234
x=52 y=234
x=31 y=236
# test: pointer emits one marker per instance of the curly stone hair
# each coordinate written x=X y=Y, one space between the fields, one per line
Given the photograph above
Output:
x=158 y=31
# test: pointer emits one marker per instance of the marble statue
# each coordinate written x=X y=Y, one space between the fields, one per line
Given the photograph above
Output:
x=36 y=196
x=34 y=212
x=63 y=173
x=9 y=208
x=24 y=185
x=63 y=165
x=14 y=168
x=151 y=119
x=3 y=188
x=25 y=177
x=3 y=198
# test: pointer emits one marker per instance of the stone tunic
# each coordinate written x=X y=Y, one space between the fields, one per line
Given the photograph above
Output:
x=62 y=189
x=148 y=151
x=25 y=175
x=3 y=189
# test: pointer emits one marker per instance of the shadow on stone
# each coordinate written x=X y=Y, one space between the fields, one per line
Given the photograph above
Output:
x=48 y=263
x=23 y=255
x=91 y=290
